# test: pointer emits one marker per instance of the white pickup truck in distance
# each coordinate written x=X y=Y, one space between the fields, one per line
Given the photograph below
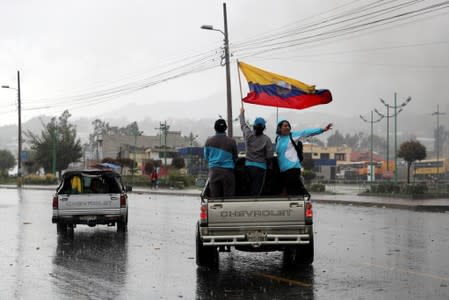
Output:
x=91 y=197
x=265 y=223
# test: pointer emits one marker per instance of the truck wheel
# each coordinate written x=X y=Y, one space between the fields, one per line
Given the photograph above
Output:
x=300 y=255
x=122 y=226
x=205 y=256
x=61 y=228
x=305 y=254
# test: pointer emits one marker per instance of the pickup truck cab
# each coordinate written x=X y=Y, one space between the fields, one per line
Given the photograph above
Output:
x=90 y=197
x=270 y=222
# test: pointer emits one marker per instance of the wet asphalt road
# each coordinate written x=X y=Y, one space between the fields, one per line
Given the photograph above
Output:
x=360 y=253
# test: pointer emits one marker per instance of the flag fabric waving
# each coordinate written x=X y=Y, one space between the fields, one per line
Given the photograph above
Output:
x=271 y=89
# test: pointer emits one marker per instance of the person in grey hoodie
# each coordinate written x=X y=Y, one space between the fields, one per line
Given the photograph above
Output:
x=258 y=150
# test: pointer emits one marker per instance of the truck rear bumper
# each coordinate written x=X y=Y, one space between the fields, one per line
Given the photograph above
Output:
x=257 y=235
x=88 y=220
x=256 y=239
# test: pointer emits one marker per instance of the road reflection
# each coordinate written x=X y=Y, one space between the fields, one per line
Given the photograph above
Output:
x=91 y=264
x=255 y=276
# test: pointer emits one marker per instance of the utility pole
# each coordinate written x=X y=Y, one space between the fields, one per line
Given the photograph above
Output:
x=438 y=114
x=396 y=112
x=19 y=133
x=164 y=128
x=228 y=73
x=53 y=138
x=19 y=109
x=372 y=142
x=228 y=70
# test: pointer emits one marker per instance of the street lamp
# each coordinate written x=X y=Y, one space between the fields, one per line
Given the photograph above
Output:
x=395 y=107
x=19 y=151
x=228 y=71
x=388 y=116
x=372 y=129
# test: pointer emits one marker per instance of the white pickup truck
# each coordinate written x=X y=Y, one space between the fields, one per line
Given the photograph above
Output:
x=91 y=197
x=248 y=223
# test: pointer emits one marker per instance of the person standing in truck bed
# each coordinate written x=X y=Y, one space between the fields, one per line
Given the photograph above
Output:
x=289 y=164
x=220 y=151
x=258 y=150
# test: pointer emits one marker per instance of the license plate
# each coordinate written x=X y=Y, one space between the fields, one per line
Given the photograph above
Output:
x=88 y=218
x=256 y=236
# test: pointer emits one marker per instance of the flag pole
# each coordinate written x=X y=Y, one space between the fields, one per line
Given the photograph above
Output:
x=240 y=82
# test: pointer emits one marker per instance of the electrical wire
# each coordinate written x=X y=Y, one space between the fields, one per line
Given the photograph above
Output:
x=344 y=30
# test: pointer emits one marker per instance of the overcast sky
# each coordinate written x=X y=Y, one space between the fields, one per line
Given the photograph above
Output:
x=103 y=58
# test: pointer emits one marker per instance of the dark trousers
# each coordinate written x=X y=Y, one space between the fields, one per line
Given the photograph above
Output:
x=291 y=181
x=221 y=182
x=256 y=178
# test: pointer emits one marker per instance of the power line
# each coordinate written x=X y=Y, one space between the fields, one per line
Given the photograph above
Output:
x=342 y=31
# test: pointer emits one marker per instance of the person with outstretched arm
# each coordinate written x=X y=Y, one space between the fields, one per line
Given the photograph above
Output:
x=289 y=164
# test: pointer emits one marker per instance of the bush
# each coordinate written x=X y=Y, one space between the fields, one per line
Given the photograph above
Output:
x=308 y=175
x=385 y=188
x=180 y=181
x=391 y=188
x=317 y=188
x=36 y=179
x=420 y=188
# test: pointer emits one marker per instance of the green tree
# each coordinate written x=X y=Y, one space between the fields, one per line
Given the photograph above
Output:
x=336 y=139
x=7 y=162
x=308 y=164
x=151 y=164
x=411 y=151
x=59 y=136
x=178 y=162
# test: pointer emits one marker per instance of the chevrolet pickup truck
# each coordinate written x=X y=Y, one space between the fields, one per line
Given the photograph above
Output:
x=90 y=197
x=248 y=223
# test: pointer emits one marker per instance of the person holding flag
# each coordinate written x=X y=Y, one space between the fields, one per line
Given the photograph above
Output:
x=259 y=150
x=271 y=89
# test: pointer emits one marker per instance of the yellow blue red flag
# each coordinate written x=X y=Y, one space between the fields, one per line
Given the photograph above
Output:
x=271 y=89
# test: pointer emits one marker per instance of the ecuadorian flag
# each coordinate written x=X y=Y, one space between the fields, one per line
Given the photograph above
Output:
x=271 y=89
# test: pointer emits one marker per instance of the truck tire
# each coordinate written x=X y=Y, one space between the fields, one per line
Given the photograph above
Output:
x=61 y=228
x=205 y=256
x=122 y=225
x=300 y=255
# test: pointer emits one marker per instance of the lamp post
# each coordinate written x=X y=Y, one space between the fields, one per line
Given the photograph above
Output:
x=372 y=129
x=388 y=116
x=438 y=114
x=395 y=107
x=19 y=151
x=227 y=64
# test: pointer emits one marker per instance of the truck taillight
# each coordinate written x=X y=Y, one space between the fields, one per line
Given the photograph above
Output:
x=55 y=202
x=122 y=201
x=203 y=213
x=309 y=213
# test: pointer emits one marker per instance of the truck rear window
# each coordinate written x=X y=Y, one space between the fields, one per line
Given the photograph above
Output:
x=90 y=184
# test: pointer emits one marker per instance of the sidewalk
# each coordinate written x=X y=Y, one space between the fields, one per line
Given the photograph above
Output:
x=441 y=205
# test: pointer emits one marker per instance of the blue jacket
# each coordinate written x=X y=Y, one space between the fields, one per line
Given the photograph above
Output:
x=286 y=152
x=220 y=151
